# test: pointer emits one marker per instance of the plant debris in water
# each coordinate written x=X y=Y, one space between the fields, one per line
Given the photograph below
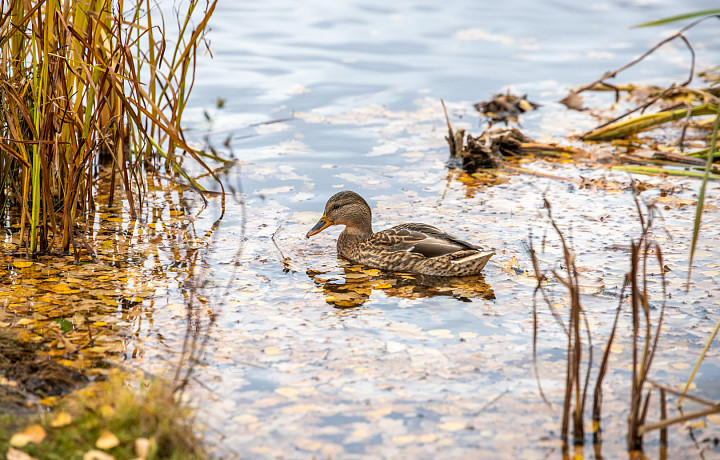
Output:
x=505 y=107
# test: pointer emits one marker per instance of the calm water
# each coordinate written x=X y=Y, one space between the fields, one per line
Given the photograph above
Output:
x=417 y=370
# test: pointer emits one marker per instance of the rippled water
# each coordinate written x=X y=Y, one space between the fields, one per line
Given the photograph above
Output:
x=416 y=369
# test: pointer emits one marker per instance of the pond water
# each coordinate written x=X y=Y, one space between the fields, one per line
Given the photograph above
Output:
x=309 y=357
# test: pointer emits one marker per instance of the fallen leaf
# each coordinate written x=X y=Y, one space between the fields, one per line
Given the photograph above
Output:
x=62 y=419
x=308 y=444
x=97 y=455
x=15 y=454
x=107 y=440
x=401 y=440
x=573 y=101
x=288 y=392
x=272 y=351
x=32 y=434
x=452 y=426
x=142 y=448
x=22 y=264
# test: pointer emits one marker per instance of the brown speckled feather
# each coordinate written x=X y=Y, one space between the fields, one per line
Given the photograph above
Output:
x=413 y=247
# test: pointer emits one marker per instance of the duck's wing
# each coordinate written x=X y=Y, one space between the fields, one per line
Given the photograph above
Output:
x=421 y=239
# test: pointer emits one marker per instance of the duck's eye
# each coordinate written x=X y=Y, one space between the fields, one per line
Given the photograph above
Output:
x=334 y=207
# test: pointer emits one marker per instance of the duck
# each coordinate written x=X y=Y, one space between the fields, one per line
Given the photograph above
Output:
x=407 y=248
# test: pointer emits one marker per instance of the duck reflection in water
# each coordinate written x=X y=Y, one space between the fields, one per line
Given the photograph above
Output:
x=353 y=285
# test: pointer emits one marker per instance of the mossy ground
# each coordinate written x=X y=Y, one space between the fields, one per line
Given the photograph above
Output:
x=118 y=404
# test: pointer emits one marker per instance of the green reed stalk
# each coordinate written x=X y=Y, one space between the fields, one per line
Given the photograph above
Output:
x=701 y=195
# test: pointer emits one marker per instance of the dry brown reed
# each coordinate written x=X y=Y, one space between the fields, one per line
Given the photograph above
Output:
x=90 y=90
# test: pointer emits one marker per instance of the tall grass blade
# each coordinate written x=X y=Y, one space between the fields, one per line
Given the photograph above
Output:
x=701 y=195
x=679 y=17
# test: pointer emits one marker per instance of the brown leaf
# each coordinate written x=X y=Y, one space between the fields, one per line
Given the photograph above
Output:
x=32 y=434
x=573 y=101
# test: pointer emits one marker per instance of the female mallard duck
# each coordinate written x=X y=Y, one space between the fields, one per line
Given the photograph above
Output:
x=413 y=248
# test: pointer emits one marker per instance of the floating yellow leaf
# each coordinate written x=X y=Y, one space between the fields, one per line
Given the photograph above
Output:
x=288 y=392
x=309 y=444
x=96 y=349
x=62 y=419
x=696 y=424
x=32 y=434
x=65 y=289
x=272 y=351
x=442 y=333
x=427 y=438
x=245 y=419
x=452 y=426
x=298 y=409
x=107 y=440
x=401 y=440
x=22 y=264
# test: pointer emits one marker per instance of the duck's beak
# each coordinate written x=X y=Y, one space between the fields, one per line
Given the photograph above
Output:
x=321 y=225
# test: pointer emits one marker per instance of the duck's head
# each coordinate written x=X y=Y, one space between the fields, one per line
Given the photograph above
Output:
x=345 y=208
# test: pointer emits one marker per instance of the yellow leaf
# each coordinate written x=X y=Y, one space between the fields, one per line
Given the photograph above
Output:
x=64 y=289
x=272 y=351
x=62 y=419
x=97 y=455
x=32 y=434
x=15 y=454
x=96 y=349
x=107 y=440
x=20 y=264
x=401 y=440
x=288 y=392
x=107 y=411
x=452 y=426
x=308 y=444
x=49 y=401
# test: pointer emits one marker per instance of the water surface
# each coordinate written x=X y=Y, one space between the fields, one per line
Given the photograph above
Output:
x=316 y=358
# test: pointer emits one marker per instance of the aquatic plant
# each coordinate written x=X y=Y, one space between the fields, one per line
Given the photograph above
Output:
x=646 y=327
x=85 y=85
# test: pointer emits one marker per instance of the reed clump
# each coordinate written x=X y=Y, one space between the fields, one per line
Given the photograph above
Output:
x=646 y=318
x=90 y=90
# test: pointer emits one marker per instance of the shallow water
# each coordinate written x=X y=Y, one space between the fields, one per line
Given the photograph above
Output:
x=311 y=357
